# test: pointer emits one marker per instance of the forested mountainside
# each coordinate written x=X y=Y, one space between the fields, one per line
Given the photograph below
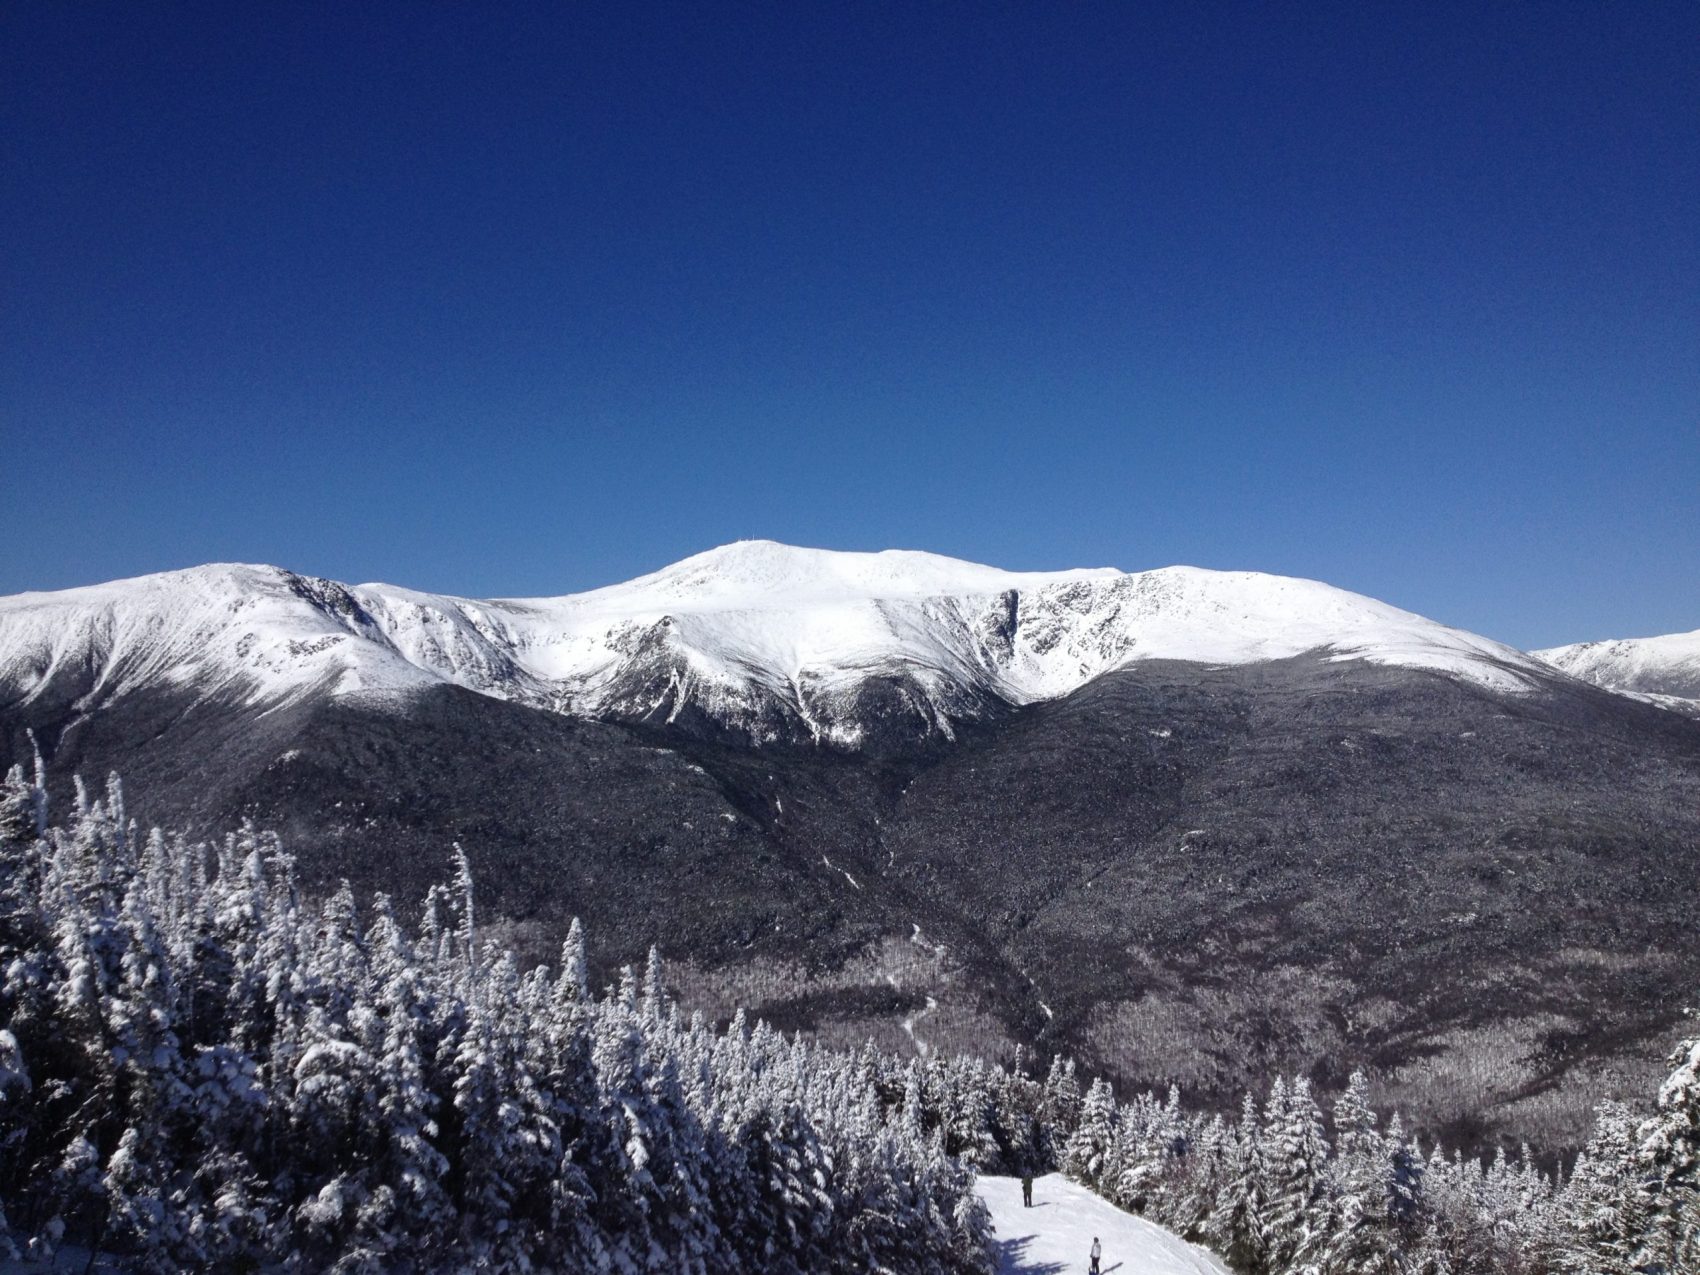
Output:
x=198 y=1070
x=1187 y=827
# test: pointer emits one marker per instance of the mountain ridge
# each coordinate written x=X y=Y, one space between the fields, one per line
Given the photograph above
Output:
x=1662 y=668
x=767 y=641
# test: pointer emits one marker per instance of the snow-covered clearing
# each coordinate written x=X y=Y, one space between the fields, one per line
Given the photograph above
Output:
x=1054 y=1237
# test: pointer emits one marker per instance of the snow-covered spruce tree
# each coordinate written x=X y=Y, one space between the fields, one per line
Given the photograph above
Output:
x=1295 y=1163
x=1059 y=1108
x=559 y=1056
x=1194 y=1195
x=143 y=1185
x=504 y=1146
x=1402 y=1186
x=1016 y=1103
x=1371 y=1208
x=1149 y=1164
x=1236 y=1227
x=969 y=1116
x=1669 y=1167
x=1602 y=1205
x=1088 y=1147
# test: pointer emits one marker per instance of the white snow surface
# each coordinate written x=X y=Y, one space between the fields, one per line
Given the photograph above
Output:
x=1658 y=667
x=746 y=624
x=1054 y=1237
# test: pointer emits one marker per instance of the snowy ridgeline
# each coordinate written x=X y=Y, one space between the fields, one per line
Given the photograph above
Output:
x=735 y=631
x=198 y=1070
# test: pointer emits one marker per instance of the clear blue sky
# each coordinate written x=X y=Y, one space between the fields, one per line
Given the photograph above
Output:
x=502 y=299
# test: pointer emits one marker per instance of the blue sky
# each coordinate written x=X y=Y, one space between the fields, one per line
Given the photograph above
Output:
x=524 y=299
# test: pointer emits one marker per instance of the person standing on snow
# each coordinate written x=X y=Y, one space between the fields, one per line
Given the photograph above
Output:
x=1026 y=1190
x=1097 y=1254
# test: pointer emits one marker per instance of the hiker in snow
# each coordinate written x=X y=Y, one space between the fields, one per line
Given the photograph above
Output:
x=1097 y=1253
x=1026 y=1190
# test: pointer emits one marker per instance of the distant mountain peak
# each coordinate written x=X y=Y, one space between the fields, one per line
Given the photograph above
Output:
x=1665 y=666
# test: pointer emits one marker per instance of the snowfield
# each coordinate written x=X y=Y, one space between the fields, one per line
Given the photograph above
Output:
x=1054 y=1237
x=741 y=632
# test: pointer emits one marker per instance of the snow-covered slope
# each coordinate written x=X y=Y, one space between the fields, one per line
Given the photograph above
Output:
x=256 y=633
x=1658 y=667
x=759 y=637
x=1056 y=1234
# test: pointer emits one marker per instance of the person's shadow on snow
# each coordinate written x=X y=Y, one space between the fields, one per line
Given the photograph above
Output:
x=1013 y=1259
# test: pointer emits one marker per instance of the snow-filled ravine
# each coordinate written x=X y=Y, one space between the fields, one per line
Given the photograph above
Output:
x=1054 y=1237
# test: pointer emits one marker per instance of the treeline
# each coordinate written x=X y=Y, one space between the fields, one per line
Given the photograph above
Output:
x=200 y=1071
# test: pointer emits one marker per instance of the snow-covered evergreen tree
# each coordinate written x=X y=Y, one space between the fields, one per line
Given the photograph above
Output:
x=1295 y=1156
x=1603 y=1205
x=1085 y=1153
x=1237 y=1226
x=1669 y=1161
x=1059 y=1107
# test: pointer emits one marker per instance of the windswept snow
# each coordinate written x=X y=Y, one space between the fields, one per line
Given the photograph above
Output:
x=1054 y=1237
x=733 y=632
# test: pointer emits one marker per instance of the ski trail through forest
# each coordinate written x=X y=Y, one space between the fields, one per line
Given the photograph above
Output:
x=1054 y=1237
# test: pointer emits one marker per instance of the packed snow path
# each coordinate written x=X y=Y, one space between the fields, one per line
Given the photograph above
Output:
x=1054 y=1237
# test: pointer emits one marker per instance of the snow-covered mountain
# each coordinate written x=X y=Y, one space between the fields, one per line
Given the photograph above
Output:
x=765 y=639
x=1661 y=668
x=1181 y=807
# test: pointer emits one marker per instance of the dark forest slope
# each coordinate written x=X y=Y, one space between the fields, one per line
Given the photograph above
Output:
x=1178 y=872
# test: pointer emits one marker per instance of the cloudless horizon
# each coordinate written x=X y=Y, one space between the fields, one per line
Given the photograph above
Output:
x=526 y=299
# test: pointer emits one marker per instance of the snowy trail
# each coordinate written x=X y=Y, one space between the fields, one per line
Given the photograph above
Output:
x=1054 y=1237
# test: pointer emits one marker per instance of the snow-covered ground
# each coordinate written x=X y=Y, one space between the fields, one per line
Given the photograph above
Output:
x=1054 y=1237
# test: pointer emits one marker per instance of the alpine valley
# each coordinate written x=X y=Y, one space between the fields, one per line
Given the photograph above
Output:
x=1183 y=825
